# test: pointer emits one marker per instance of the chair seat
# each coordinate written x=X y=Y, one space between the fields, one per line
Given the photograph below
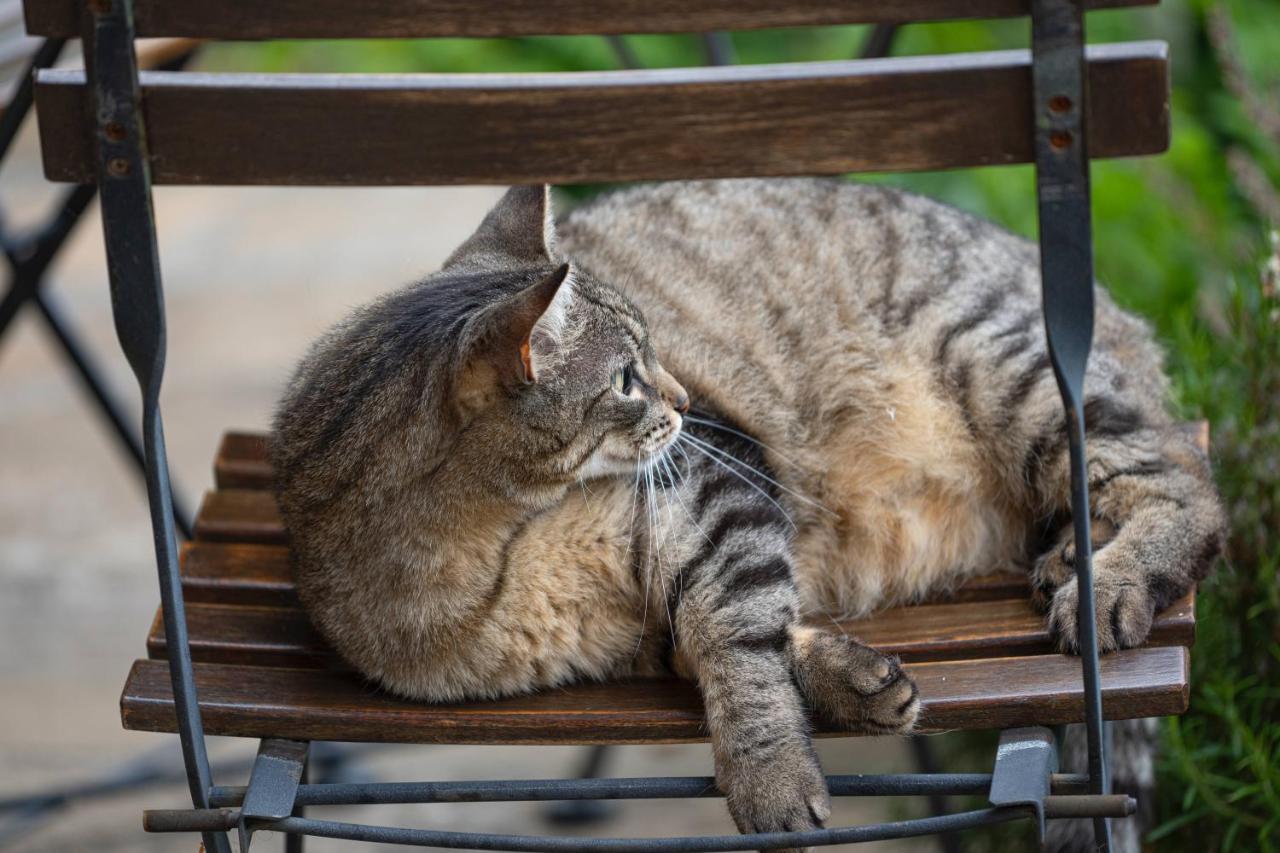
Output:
x=981 y=656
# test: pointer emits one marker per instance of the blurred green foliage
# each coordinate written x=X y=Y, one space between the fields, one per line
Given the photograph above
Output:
x=1180 y=238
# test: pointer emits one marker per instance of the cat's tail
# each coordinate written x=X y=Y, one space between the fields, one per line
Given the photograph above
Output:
x=1132 y=757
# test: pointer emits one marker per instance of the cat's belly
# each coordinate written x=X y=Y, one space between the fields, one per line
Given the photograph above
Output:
x=914 y=507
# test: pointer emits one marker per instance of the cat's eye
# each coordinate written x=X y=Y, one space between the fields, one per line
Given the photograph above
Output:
x=621 y=380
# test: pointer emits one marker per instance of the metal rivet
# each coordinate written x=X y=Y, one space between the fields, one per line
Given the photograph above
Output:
x=118 y=166
x=115 y=131
x=1059 y=104
x=1060 y=139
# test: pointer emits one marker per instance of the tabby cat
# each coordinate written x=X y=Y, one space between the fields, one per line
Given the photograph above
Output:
x=655 y=437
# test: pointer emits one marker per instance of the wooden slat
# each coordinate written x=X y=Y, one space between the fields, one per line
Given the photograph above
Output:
x=236 y=573
x=240 y=515
x=284 y=636
x=256 y=636
x=262 y=19
x=309 y=704
x=242 y=462
x=813 y=118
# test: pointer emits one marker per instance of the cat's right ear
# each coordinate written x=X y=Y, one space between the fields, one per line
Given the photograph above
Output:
x=518 y=232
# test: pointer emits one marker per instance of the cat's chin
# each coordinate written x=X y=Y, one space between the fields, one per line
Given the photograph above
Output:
x=602 y=464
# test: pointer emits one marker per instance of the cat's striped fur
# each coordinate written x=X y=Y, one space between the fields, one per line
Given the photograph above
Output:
x=492 y=483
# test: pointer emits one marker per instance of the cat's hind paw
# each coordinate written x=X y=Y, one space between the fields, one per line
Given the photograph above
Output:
x=854 y=686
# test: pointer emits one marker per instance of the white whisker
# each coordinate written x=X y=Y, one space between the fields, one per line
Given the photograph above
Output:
x=657 y=547
x=674 y=469
x=717 y=425
x=685 y=506
x=804 y=498
x=631 y=540
x=744 y=479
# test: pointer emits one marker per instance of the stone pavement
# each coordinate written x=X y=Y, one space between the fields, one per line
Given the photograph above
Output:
x=251 y=275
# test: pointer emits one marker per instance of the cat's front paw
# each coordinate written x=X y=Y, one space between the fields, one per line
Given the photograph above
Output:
x=781 y=791
x=1124 y=609
x=854 y=686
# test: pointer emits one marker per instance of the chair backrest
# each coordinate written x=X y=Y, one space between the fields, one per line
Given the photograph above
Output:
x=897 y=114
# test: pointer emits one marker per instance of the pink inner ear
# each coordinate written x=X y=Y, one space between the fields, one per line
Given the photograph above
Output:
x=527 y=358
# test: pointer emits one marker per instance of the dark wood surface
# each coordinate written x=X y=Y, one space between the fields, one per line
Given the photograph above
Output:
x=284 y=636
x=314 y=704
x=812 y=118
x=240 y=515
x=237 y=573
x=241 y=461
x=261 y=19
x=981 y=654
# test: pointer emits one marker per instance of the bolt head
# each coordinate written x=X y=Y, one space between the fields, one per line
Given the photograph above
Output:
x=1059 y=104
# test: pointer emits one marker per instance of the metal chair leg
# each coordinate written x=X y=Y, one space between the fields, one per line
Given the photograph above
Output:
x=297 y=843
x=879 y=41
x=939 y=803
x=133 y=264
x=583 y=812
x=1066 y=262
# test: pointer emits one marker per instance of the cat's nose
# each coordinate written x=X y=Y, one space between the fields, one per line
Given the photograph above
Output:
x=672 y=391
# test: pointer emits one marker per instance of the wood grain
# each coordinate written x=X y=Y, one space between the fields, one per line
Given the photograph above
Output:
x=241 y=461
x=284 y=636
x=981 y=660
x=263 y=19
x=246 y=516
x=895 y=114
x=237 y=573
x=310 y=704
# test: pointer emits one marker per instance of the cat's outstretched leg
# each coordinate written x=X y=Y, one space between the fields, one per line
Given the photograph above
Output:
x=1162 y=528
x=736 y=614
x=734 y=602
x=732 y=630
x=855 y=686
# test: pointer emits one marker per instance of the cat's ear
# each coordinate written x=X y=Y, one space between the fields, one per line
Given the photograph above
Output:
x=539 y=321
x=515 y=340
x=518 y=232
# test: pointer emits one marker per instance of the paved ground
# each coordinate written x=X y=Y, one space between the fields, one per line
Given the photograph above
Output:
x=251 y=276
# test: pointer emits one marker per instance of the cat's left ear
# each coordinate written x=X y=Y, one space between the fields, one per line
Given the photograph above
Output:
x=520 y=231
x=515 y=339
x=540 y=320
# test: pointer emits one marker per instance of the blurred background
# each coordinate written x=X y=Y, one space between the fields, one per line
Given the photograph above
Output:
x=253 y=274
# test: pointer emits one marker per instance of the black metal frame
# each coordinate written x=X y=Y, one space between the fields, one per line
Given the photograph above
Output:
x=1023 y=782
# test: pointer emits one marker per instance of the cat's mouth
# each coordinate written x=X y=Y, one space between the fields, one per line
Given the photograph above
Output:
x=659 y=439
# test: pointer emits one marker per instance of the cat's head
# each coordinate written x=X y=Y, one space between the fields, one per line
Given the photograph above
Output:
x=512 y=363
x=552 y=363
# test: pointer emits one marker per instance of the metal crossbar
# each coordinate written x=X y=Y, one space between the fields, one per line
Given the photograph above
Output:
x=1021 y=785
